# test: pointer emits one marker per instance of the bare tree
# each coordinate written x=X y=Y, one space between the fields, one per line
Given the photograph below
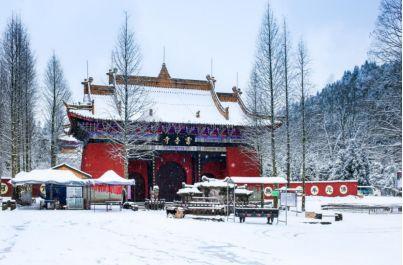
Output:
x=56 y=93
x=268 y=67
x=256 y=134
x=287 y=69
x=18 y=71
x=29 y=89
x=3 y=116
x=129 y=101
x=303 y=73
x=387 y=36
x=387 y=48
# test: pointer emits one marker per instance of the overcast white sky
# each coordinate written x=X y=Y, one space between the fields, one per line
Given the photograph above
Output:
x=193 y=32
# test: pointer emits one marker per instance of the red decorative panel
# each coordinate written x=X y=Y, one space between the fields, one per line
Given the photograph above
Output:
x=328 y=188
x=6 y=188
x=318 y=188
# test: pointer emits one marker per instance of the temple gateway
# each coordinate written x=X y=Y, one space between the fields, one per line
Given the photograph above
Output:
x=195 y=131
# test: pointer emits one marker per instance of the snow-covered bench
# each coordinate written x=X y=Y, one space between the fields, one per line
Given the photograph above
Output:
x=269 y=213
x=108 y=204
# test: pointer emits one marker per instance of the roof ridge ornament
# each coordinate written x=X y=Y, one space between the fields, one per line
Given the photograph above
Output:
x=164 y=74
x=223 y=111
x=237 y=92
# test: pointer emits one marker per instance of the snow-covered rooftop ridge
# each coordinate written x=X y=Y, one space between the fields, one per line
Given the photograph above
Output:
x=213 y=183
x=171 y=100
x=110 y=177
x=49 y=176
x=188 y=190
x=243 y=191
x=68 y=138
x=174 y=105
x=258 y=180
x=330 y=181
x=72 y=168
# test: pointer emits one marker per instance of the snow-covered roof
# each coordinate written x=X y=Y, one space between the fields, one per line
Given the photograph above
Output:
x=110 y=177
x=259 y=180
x=243 y=191
x=72 y=168
x=189 y=190
x=176 y=105
x=68 y=138
x=212 y=183
x=327 y=181
x=236 y=111
x=48 y=176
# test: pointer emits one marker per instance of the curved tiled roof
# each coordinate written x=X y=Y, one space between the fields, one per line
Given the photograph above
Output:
x=168 y=99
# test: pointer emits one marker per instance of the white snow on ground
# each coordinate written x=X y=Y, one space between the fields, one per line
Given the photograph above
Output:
x=149 y=237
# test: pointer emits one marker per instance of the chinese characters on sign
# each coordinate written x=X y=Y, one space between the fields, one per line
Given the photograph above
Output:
x=314 y=190
x=3 y=189
x=329 y=190
x=343 y=189
x=169 y=139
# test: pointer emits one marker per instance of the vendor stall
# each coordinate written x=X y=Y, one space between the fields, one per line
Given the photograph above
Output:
x=110 y=179
x=57 y=182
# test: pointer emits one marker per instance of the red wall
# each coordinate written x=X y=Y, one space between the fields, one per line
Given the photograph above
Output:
x=215 y=168
x=321 y=187
x=183 y=159
x=97 y=159
x=240 y=164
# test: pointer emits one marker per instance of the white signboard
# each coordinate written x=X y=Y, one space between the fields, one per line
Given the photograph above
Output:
x=74 y=192
x=75 y=203
x=288 y=199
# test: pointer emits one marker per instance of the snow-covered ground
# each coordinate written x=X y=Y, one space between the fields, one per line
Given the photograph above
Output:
x=146 y=237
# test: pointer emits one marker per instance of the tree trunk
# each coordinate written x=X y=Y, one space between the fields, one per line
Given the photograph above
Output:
x=287 y=108
x=303 y=137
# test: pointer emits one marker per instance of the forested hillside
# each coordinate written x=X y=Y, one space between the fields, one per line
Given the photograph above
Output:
x=351 y=129
x=354 y=127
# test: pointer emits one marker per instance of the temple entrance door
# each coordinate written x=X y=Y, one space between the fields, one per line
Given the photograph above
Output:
x=137 y=191
x=211 y=176
x=169 y=180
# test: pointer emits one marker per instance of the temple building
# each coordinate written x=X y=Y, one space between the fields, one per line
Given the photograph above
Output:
x=195 y=131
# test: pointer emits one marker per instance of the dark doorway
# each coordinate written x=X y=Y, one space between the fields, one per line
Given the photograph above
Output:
x=169 y=180
x=137 y=191
x=211 y=176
